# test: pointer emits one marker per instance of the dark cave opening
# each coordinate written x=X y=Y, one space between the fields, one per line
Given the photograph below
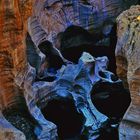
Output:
x=63 y=113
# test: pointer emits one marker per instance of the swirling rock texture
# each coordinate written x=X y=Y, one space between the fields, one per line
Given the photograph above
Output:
x=98 y=16
x=128 y=68
x=13 y=17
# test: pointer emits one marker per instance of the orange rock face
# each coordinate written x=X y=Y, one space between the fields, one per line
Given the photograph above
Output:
x=13 y=16
x=128 y=68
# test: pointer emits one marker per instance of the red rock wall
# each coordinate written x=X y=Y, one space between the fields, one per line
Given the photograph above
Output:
x=13 y=16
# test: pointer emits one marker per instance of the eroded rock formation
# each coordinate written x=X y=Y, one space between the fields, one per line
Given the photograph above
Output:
x=12 y=48
x=98 y=16
x=128 y=68
x=13 y=16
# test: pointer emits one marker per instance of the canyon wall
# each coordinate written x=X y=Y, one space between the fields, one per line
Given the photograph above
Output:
x=13 y=16
x=128 y=69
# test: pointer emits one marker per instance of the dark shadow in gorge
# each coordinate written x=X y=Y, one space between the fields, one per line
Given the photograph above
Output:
x=63 y=113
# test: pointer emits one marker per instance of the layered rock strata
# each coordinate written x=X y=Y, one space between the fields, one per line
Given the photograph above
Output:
x=12 y=49
x=13 y=16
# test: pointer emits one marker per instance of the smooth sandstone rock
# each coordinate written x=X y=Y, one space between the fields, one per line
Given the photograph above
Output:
x=128 y=68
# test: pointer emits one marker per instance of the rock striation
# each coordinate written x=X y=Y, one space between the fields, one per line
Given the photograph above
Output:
x=54 y=16
x=128 y=68
x=13 y=16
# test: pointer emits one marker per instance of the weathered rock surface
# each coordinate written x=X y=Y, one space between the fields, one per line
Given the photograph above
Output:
x=128 y=68
x=13 y=16
x=12 y=49
x=98 y=16
x=8 y=132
